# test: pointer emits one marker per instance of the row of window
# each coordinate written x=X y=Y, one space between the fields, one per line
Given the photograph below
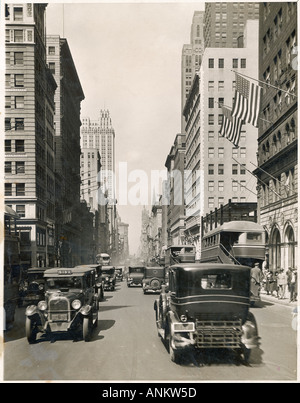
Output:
x=19 y=189
x=19 y=146
x=236 y=186
x=236 y=169
x=221 y=63
x=220 y=201
x=221 y=152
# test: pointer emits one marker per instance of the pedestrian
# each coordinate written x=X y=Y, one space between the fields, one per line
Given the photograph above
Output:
x=274 y=284
x=256 y=278
x=293 y=286
x=281 y=283
x=269 y=281
x=289 y=276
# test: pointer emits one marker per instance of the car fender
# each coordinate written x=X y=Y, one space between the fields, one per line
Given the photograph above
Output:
x=32 y=310
x=250 y=336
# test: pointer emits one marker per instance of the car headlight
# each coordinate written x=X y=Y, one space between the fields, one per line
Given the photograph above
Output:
x=42 y=305
x=106 y=278
x=183 y=318
x=41 y=287
x=76 y=304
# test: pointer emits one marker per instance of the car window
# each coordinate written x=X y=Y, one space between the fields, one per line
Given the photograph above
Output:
x=64 y=282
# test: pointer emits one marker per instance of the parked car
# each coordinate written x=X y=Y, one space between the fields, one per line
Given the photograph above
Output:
x=32 y=286
x=207 y=306
x=108 y=274
x=70 y=304
x=135 y=275
x=99 y=286
x=120 y=273
x=154 y=278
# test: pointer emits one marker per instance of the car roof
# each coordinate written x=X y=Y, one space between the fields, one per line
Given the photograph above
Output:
x=195 y=267
x=37 y=269
x=107 y=267
x=154 y=267
x=92 y=265
x=67 y=271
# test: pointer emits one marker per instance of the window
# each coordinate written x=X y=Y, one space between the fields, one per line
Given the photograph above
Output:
x=221 y=186
x=221 y=63
x=243 y=185
x=235 y=151
x=210 y=119
x=211 y=202
x=18 y=13
x=8 y=189
x=18 y=35
x=211 y=186
x=221 y=152
x=18 y=58
x=211 y=102
x=7 y=167
x=20 y=189
x=211 y=152
x=211 y=63
x=7 y=145
x=211 y=169
x=220 y=169
x=20 y=146
x=234 y=186
x=211 y=85
x=20 y=210
x=243 y=152
x=243 y=169
x=7 y=124
x=243 y=63
x=19 y=102
x=19 y=123
x=220 y=201
x=19 y=80
x=221 y=85
x=220 y=118
x=234 y=169
x=51 y=50
x=20 y=167
x=52 y=67
x=7 y=102
x=211 y=135
x=220 y=102
x=235 y=63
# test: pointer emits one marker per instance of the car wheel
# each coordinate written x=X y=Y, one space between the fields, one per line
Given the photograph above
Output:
x=87 y=328
x=245 y=354
x=31 y=331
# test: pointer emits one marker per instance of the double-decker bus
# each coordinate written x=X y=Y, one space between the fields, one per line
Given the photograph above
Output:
x=239 y=242
x=103 y=259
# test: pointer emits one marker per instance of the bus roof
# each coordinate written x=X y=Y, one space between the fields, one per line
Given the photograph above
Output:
x=236 y=226
x=196 y=267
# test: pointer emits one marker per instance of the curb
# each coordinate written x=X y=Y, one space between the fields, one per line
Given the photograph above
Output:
x=275 y=300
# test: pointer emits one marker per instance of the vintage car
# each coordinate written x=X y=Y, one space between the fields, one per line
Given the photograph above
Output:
x=99 y=286
x=206 y=306
x=154 y=278
x=120 y=273
x=108 y=274
x=135 y=275
x=32 y=286
x=70 y=304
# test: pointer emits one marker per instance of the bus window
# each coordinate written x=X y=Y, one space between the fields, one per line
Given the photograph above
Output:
x=254 y=236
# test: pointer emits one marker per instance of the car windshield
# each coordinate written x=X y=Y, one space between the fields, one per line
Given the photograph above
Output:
x=108 y=271
x=34 y=276
x=195 y=283
x=137 y=270
x=64 y=282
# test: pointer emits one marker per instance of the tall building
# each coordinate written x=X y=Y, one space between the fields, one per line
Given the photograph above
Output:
x=216 y=170
x=277 y=169
x=29 y=132
x=68 y=98
x=191 y=58
x=176 y=206
x=224 y=23
x=100 y=134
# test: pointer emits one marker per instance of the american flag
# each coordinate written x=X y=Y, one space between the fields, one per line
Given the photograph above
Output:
x=247 y=100
x=231 y=126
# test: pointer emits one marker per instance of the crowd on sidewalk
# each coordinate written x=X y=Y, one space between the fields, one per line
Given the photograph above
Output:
x=280 y=284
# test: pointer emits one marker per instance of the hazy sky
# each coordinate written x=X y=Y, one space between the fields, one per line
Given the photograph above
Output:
x=128 y=59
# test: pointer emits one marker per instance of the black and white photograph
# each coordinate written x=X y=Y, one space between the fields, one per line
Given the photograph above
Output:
x=149 y=194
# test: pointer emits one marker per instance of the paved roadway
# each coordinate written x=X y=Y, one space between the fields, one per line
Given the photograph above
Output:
x=125 y=347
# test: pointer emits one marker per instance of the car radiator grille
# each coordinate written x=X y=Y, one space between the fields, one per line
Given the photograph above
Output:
x=59 y=310
x=218 y=334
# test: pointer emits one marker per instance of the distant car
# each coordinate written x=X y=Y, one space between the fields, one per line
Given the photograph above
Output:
x=108 y=274
x=206 y=306
x=120 y=273
x=135 y=275
x=154 y=278
x=70 y=304
x=32 y=287
x=99 y=286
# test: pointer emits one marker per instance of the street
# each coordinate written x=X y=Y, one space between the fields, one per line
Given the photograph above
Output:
x=125 y=347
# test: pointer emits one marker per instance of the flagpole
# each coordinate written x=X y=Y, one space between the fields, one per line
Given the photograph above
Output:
x=264 y=83
x=272 y=190
x=271 y=176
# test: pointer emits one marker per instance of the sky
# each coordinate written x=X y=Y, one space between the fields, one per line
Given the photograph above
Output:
x=128 y=59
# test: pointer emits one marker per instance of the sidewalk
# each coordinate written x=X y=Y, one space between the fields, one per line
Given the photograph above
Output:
x=265 y=297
